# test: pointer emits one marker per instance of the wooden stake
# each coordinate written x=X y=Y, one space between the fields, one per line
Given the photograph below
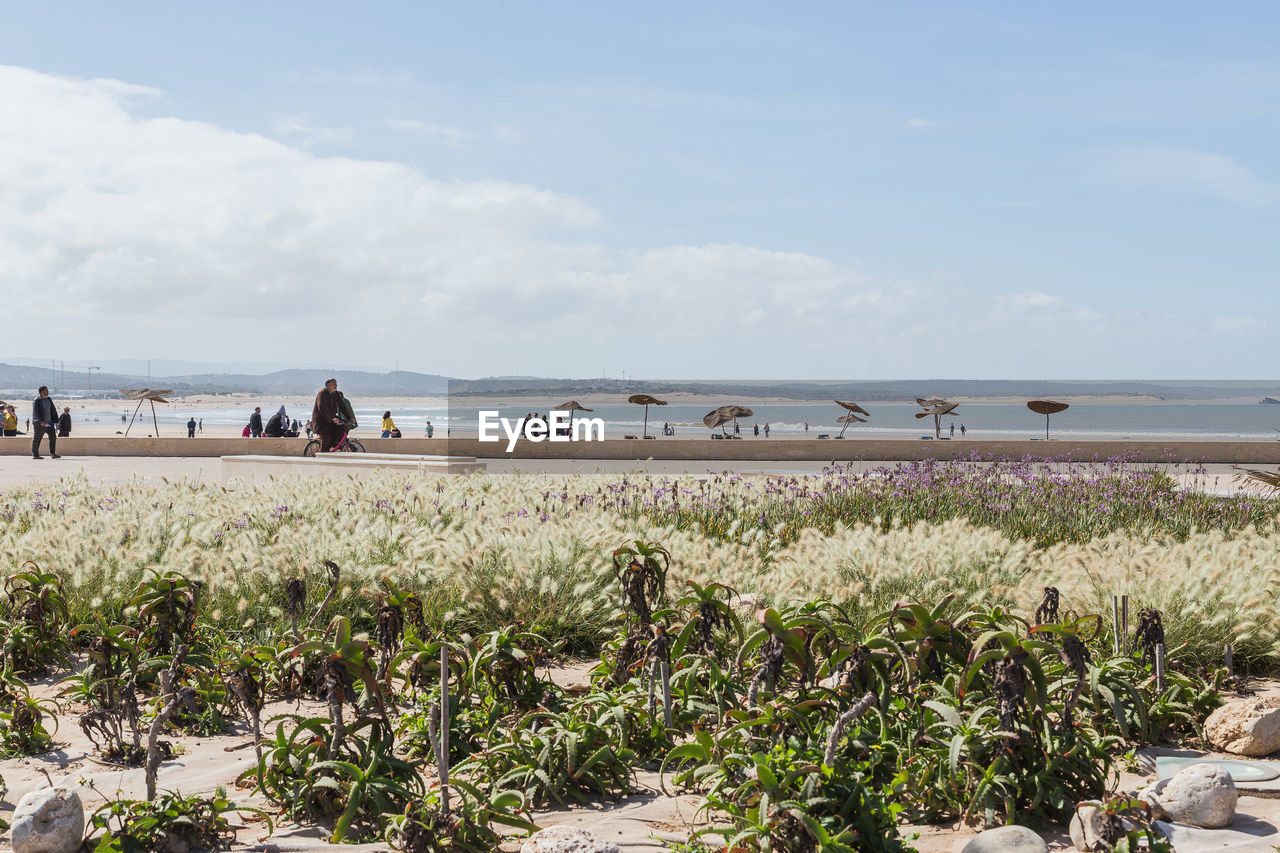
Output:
x=1124 y=622
x=1230 y=669
x=1115 y=623
x=666 y=693
x=444 y=729
x=1160 y=666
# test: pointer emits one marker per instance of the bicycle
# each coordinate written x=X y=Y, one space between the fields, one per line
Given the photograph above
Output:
x=346 y=444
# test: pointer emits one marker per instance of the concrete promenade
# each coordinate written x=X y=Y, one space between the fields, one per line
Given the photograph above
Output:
x=686 y=450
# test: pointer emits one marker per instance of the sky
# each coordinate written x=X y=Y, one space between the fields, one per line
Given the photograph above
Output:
x=665 y=190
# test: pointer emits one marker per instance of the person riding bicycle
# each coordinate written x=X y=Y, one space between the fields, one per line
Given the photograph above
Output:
x=332 y=415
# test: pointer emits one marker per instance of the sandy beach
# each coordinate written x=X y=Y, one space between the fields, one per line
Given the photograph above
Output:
x=103 y=417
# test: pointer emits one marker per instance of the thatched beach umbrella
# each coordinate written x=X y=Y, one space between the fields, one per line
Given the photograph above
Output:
x=724 y=414
x=1046 y=408
x=937 y=408
x=852 y=417
x=646 y=400
x=145 y=395
x=571 y=407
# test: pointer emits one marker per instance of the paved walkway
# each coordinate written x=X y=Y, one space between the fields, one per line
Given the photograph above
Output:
x=21 y=470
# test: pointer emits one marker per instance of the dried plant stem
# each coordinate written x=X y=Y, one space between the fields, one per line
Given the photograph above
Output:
x=842 y=722
x=168 y=707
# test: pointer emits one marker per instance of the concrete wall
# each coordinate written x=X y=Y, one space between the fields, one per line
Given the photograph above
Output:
x=1240 y=452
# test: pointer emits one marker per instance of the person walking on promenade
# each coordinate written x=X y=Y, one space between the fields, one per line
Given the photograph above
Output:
x=45 y=415
x=766 y=430
x=202 y=425
x=953 y=430
x=255 y=423
x=431 y=431
x=64 y=423
x=328 y=415
x=191 y=428
x=757 y=429
x=962 y=430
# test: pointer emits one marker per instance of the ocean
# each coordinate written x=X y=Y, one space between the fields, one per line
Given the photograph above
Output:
x=1135 y=421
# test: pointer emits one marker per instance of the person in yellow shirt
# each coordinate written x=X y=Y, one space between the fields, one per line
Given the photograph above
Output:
x=389 y=426
x=10 y=421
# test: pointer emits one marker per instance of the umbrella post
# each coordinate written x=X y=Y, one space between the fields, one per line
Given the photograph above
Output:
x=645 y=433
x=1046 y=427
x=135 y=414
x=153 y=418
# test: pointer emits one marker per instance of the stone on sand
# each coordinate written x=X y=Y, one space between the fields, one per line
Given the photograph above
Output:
x=567 y=839
x=1006 y=839
x=1086 y=826
x=1246 y=727
x=49 y=820
x=1201 y=795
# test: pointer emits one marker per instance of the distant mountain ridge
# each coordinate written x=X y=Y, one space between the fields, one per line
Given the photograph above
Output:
x=875 y=390
x=22 y=380
x=398 y=383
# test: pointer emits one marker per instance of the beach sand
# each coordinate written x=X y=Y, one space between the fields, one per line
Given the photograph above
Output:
x=103 y=417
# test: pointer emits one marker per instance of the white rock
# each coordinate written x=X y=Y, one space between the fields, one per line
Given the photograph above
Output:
x=1086 y=826
x=1006 y=839
x=50 y=820
x=1201 y=795
x=1245 y=727
x=566 y=839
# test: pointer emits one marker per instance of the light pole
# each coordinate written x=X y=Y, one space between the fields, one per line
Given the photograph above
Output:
x=92 y=368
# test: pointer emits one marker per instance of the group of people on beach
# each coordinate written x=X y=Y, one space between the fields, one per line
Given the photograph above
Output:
x=44 y=420
x=277 y=426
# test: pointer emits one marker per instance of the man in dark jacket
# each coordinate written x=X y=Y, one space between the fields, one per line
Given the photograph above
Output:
x=331 y=415
x=44 y=419
x=255 y=423
x=64 y=423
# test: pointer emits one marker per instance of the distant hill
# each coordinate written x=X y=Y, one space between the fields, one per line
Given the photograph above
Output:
x=904 y=389
x=20 y=382
x=23 y=380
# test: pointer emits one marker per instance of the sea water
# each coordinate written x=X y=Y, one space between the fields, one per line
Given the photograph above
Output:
x=1133 y=421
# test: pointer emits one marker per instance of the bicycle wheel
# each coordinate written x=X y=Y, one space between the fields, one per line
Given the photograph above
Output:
x=312 y=448
x=354 y=445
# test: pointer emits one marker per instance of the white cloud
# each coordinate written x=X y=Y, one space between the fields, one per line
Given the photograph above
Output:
x=922 y=124
x=1183 y=170
x=1032 y=299
x=1238 y=325
x=452 y=135
x=301 y=129
x=160 y=237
